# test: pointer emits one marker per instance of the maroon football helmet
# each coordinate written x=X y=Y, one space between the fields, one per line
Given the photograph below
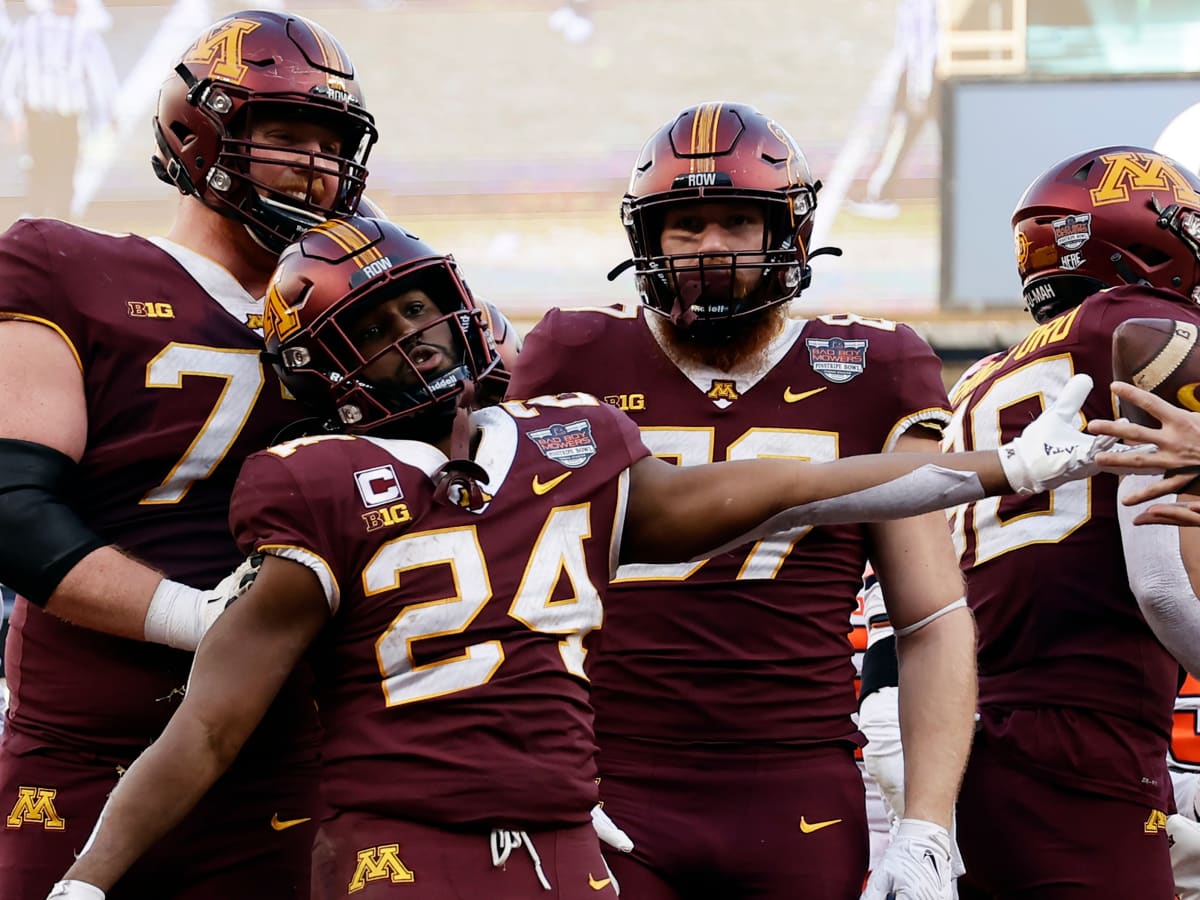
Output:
x=313 y=321
x=710 y=152
x=1116 y=215
x=250 y=66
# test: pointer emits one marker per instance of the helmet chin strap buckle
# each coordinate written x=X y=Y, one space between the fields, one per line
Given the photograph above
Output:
x=460 y=480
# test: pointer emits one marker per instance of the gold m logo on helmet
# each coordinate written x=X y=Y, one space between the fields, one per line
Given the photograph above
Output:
x=35 y=806
x=378 y=863
x=1127 y=172
x=280 y=320
x=221 y=49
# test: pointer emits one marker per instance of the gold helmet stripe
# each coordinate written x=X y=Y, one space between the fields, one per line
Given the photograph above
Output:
x=705 y=126
x=316 y=35
x=351 y=240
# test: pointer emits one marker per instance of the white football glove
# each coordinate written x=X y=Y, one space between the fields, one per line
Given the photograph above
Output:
x=179 y=616
x=915 y=866
x=1052 y=450
x=1184 y=835
x=883 y=756
x=608 y=832
x=75 y=890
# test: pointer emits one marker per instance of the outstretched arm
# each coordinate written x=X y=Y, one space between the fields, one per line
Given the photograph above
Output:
x=676 y=513
x=239 y=668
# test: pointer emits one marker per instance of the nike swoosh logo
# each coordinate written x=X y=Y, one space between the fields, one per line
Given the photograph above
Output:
x=789 y=397
x=278 y=824
x=810 y=827
x=541 y=487
x=592 y=882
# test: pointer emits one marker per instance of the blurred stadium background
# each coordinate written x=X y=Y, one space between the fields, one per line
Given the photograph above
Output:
x=509 y=127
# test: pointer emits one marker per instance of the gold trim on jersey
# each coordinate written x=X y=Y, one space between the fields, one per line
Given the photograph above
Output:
x=40 y=321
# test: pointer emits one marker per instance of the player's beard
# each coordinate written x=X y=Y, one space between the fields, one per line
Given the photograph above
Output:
x=745 y=347
x=296 y=187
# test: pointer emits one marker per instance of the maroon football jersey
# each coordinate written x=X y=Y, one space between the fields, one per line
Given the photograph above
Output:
x=751 y=645
x=450 y=680
x=1058 y=625
x=176 y=399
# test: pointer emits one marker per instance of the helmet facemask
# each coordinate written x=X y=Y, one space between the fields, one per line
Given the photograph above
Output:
x=711 y=294
x=409 y=385
x=277 y=208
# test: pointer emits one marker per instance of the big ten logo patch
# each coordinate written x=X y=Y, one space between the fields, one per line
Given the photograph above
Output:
x=35 y=806
x=377 y=864
x=626 y=402
x=149 y=309
x=396 y=514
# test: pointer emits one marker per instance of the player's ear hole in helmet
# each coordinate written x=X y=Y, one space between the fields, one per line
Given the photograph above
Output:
x=720 y=153
x=1103 y=218
x=247 y=70
x=376 y=332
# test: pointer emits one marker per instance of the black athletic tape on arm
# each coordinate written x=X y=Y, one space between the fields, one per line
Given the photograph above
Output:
x=42 y=537
x=880 y=667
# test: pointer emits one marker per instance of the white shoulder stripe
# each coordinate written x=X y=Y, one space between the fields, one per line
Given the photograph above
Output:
x=320 y=568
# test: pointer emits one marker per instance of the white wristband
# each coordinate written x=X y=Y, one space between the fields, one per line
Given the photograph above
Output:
x=175 y=615
x=75 y=890
x=950 y=607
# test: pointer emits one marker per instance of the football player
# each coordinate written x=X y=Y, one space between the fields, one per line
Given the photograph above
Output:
x=441 y=559
x=731 y=679
x=1066 y=790
x=136 y=364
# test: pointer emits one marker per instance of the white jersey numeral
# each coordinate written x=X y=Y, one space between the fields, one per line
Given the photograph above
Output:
x=1068 y=507
x=697 y=446
x=558 y=553
x=243 y=376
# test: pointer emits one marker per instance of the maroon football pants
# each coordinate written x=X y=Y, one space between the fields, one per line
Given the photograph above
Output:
x=1022 y=837
x=735 y=823
x=366 y=857
x=244 y=840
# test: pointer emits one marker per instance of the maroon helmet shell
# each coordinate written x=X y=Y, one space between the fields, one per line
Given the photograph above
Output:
x=325 y=281
x=720 y=151
x=253 y=64
x=1111 y=216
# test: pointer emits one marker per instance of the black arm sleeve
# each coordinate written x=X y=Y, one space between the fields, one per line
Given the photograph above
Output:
x=41 y=537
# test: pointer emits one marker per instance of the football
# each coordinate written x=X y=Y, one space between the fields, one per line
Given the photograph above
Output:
x=1158 y=355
